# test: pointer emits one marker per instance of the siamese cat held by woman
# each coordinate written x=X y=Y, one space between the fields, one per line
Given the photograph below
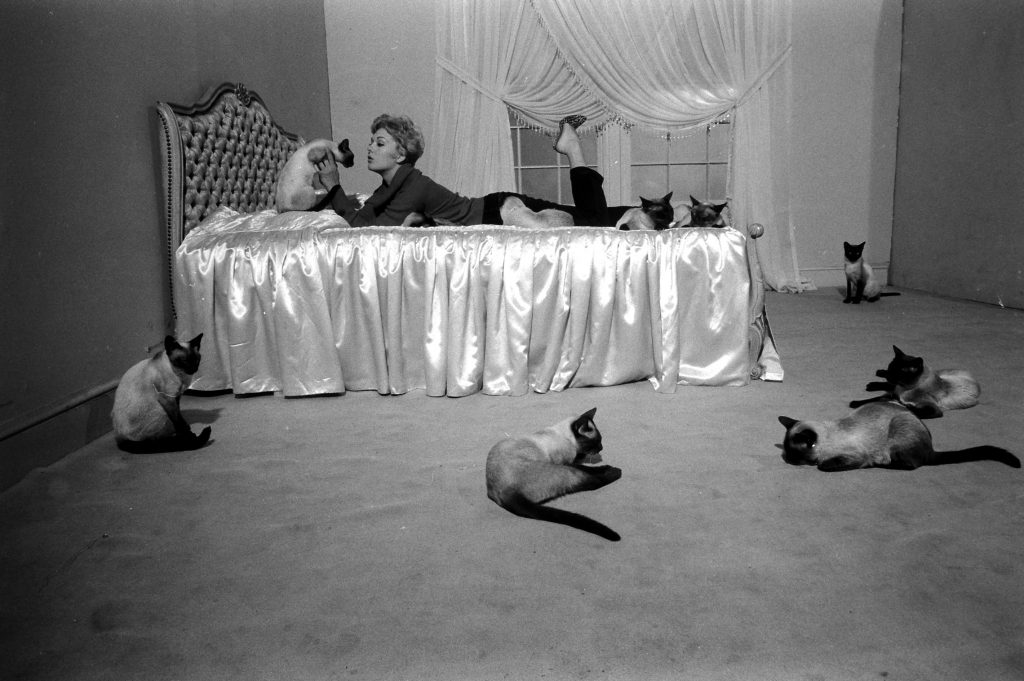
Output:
x=524 y=472
x=147 y=404
x=882 y=434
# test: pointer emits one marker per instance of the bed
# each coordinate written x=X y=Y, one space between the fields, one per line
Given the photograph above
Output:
x=300 y=303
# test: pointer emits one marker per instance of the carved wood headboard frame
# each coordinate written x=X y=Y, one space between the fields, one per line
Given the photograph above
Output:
x=225 y=150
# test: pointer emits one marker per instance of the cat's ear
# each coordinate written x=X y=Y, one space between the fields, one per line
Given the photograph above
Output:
x=668 y=197
x=583 y=426
x=719 y=207
x=170 y=343
x=787 y=422
x=896 y=351
x=645 y=202
x=693 y=201
x=196 y=341
x=846 y=244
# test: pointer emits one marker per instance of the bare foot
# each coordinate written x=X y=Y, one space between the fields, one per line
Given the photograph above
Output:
x=568 y=144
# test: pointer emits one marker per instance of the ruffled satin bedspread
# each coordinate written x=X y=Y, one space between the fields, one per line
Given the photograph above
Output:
x=303 y=304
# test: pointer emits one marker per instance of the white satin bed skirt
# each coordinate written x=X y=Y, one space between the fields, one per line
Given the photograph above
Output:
x=302 y=304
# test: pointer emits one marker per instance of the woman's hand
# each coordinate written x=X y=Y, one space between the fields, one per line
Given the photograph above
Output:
x=326 y=177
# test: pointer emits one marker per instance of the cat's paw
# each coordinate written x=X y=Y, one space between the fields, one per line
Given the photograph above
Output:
x=317 y=155
x=202 y=438
x=611 y=473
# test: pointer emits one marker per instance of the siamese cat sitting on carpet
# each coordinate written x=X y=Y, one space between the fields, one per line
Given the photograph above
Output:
x=861 y=282
x=926 y=392
x=524 y=472
x=882 y=434
x=147 y=413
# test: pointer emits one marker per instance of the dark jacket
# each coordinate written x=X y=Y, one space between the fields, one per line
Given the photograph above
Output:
x=410 y=191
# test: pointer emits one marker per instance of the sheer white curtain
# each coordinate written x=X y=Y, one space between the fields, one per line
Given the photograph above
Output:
x=661 y=66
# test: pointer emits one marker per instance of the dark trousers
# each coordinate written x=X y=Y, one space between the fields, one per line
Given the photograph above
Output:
x=591 y=207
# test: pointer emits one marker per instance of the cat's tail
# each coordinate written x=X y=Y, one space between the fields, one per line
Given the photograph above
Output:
x=982 y=453
x=521 y=506
x=163 y=445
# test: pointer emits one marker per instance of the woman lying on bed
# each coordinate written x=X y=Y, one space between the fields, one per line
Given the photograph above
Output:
x=395 y=146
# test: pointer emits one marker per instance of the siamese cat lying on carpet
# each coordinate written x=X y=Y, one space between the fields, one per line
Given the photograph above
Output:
x=882 y=434
x=927 y=393
x=524 y=472
x=147 y=413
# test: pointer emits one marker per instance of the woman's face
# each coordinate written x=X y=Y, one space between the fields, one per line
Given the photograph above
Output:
x=383 y=154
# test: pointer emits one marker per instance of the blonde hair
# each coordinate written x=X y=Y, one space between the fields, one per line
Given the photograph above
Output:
x=405 y=132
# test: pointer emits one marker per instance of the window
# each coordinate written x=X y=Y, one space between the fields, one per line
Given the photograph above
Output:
x=696 y=164
x=540 y=170
x=646 y=166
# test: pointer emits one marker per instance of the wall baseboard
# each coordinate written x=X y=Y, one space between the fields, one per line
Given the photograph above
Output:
x=51 y=438
x=835 y=277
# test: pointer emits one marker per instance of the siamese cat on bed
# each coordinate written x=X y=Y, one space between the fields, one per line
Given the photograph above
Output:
x=295 y=190
x=147 y=413
x=524 y=472
x=883 y=434
x=705 y=214
x=861 y=282
x=926 y=392
x=656 y=214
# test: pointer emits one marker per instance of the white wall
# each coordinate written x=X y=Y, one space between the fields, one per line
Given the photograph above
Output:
x=380 y=59
x=846 y=61
x=960 y=178
x=846 y=65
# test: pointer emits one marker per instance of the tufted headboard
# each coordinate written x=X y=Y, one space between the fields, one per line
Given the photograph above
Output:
x=225 y=150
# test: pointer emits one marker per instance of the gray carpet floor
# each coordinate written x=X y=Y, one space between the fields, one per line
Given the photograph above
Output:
x=350 y=537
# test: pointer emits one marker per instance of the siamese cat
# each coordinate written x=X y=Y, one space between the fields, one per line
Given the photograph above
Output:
x=926 y=392
x=655 y=214
x=703 y=214
x=147 y=414
x=525 y=472
x=295 y=189
x=861 y=283
x=882 y=434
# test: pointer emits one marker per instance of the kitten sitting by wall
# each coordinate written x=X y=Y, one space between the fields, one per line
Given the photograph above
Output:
x=861 y=282
x=147 y=404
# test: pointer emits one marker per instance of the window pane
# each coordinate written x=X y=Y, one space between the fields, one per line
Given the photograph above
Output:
x=718 y=143
x=541 y=183
x=689 y=149
x=649 y=182
x=647 y=148
x=536 y=149
x=719 y=174
x=687 y=180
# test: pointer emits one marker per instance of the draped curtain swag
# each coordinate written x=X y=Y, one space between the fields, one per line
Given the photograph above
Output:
x=663 y=67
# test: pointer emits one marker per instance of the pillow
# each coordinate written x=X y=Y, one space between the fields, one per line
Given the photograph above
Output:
x=225 y=220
